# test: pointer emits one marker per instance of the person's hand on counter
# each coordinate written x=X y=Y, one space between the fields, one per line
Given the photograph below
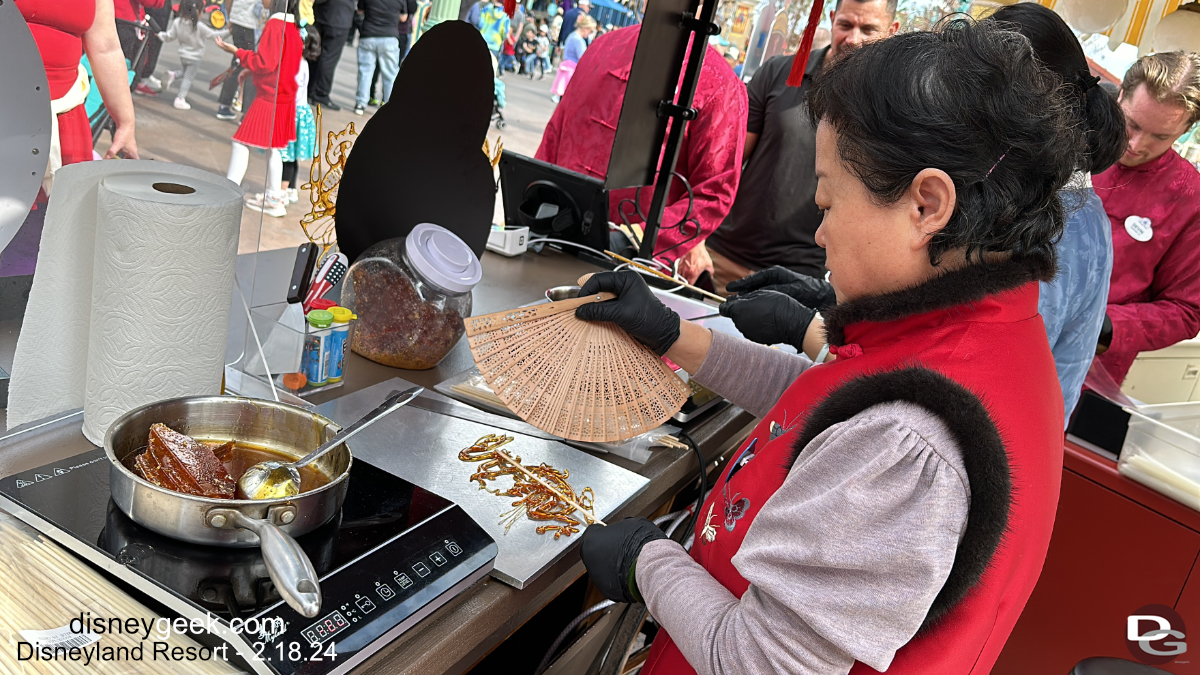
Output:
x=610 y=554
x=809 y=291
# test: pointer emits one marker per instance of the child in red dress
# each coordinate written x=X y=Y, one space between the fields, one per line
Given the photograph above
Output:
x=270 y=123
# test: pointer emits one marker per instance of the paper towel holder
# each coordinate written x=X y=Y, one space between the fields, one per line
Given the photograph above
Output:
x=173 y=188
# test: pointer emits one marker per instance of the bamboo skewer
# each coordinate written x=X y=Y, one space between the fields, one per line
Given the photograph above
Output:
x=587 y=514
x=673 y=280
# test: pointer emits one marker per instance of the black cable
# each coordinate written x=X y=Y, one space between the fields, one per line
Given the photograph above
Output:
x=703 y=478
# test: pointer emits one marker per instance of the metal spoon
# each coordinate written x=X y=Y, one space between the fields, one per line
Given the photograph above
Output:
x=276 y=480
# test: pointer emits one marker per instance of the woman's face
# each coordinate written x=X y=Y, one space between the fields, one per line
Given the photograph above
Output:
x=872 y=249
x=267 y=4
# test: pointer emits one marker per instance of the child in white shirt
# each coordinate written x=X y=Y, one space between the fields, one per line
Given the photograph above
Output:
x=193 y=36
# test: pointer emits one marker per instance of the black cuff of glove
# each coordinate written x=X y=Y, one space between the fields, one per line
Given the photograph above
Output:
x=610 y=553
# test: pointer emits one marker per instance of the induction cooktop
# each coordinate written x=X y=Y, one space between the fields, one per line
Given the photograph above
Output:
x=394 y=554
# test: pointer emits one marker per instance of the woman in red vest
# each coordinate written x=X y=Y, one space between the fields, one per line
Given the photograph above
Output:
x=892 y=509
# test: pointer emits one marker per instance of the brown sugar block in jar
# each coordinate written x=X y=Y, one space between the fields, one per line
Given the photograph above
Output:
x=411 y=295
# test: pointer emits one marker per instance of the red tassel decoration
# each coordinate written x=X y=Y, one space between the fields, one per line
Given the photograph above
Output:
x=510 y=8
x=800 y=60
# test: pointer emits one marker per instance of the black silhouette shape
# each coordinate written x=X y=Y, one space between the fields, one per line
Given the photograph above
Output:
x=420 y=158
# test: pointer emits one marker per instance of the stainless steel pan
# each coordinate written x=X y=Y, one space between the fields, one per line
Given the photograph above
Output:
x=271 y=523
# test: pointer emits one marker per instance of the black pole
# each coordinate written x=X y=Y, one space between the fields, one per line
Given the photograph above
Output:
x=682 y=112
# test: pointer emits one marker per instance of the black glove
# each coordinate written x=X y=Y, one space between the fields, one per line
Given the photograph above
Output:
x=769 y=317
x=815 y=293
x=609 y=553
x=636 y=310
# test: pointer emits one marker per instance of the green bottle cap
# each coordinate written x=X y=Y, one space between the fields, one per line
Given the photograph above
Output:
x=320 y=318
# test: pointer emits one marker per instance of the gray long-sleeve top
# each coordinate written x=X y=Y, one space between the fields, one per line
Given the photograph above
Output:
x=192 y=39
x=844 y=560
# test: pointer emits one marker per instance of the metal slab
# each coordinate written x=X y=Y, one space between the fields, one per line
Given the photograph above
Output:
x=422 y=446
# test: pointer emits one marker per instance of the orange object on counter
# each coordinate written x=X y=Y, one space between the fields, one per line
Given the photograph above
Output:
x=295 y=380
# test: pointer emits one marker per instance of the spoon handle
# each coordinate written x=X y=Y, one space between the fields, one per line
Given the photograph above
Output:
x=395 y=401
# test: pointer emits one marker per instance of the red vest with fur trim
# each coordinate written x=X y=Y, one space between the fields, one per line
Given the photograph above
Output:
x=995 y=348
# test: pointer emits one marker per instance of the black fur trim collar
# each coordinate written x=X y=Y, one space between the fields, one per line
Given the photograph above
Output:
x=968 y=284
x=984 y=457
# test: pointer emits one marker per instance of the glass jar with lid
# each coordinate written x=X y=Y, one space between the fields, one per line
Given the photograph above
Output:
x=411 y=295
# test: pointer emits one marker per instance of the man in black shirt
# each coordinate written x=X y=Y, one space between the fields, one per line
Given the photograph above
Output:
x=378 y=43
x=333 y=19
x=774 y=217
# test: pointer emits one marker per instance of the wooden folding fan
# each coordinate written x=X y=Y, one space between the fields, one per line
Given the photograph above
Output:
x=581 y=380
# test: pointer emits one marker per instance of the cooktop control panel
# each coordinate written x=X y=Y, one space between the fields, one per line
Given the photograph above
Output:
x=378 y=597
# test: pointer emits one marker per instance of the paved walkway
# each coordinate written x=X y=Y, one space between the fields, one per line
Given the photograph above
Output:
x=197 y=138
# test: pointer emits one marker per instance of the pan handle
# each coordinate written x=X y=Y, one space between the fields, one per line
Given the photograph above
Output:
x=290 y=569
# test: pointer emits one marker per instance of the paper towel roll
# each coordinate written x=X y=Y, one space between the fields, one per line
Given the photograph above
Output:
x=130 y=301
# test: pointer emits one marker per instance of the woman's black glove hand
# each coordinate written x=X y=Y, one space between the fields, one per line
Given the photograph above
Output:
x=815 y=293
x=609 y=553
x=636 y=310
x=769 y=317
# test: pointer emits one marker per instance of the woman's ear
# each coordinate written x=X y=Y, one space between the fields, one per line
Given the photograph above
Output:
x=933 y=198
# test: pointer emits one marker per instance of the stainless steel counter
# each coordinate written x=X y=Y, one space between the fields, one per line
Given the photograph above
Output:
x=460 y=633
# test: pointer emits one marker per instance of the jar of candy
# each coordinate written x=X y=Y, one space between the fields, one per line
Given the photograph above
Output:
x=410 y=295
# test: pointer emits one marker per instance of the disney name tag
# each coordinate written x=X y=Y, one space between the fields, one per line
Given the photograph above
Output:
x=1139 y=228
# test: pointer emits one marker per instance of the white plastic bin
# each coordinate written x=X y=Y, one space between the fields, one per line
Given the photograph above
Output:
x=1162 y=450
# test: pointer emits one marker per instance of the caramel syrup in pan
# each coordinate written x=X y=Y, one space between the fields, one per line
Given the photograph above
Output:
x=243 y=456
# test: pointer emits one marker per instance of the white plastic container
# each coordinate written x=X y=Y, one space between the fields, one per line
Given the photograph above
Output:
x=1162 y=450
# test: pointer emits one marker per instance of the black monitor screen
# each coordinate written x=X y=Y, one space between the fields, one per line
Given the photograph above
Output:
x=553 y=202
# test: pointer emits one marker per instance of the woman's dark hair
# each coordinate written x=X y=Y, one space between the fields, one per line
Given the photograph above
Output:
x=1058 y=49
x=970 y=99
x=190 y=10
x=312 y=44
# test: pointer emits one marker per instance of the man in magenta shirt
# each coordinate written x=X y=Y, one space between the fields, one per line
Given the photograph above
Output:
x=580 y=136
x=1152 y=197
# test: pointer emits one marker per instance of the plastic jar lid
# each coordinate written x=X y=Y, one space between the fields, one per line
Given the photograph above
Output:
x=320 y=318
x=342 y=315
x=442 y=258
x=323 y=303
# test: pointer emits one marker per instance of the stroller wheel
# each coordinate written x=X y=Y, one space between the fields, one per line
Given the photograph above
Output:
x=500 y=124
